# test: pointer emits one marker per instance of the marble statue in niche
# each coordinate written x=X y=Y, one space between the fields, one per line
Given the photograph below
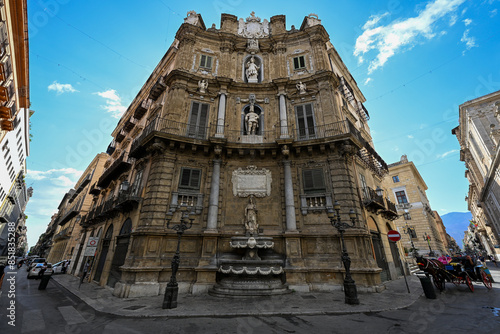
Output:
x=252 y=70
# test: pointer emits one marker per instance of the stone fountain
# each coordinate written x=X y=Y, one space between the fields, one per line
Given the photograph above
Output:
x=259 y=272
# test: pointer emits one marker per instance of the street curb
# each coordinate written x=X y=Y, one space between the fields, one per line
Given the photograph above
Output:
x=101 y=308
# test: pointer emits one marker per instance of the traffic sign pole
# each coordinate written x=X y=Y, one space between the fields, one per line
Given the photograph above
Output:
x=395 y=236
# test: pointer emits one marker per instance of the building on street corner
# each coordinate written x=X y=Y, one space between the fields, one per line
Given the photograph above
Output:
x=421 y=228
x=14 y=125
x=479 y=135
x=251 y=133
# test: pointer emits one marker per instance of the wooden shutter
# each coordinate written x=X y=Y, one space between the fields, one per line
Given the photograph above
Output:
x=202 y=121
x=309 y=120
x=190 y=178
x=301 y=122
x=313 y=180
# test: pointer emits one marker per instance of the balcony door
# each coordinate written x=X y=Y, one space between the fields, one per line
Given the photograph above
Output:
x=198 y=118
x=305 y=121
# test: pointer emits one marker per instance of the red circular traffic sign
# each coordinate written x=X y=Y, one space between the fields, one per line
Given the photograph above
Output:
x=394 y=235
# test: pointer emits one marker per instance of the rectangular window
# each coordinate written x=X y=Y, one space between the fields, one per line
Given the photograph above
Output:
x=299 y=63
x=401 y=197
x=407 y=216
x=395 y=179
x=412 y=232
x=314 y=181
x=197 y=127
x=190 y=179
x=305 y=121
x=206 y=62
x=364 y=187
x=137 y=182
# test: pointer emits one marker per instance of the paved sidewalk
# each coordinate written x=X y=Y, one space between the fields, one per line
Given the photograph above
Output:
x=395 y=296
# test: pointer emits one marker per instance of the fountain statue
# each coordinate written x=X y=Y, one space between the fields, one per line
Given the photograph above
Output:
x=250 y=275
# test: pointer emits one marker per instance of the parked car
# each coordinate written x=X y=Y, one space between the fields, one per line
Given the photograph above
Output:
x=35 y=271
x=58 y=267
x=35 y=262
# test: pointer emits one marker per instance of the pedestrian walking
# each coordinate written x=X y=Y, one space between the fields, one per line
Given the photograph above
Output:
x=492 y=258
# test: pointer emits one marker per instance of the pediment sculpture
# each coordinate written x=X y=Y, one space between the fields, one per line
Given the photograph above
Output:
x=252 y=27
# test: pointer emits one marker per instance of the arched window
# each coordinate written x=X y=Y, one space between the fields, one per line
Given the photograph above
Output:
x=126 y=227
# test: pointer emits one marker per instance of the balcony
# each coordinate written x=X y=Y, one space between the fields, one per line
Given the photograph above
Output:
x=157 y=89
x=141 y=109
x=94 y=189
x=64 y=234
x=315 y=202
x=129 y=124
x=120 y=136
x=119 y=166
x=123 y=202
x=111 y=148
x=391 y=212
x=70 y=213
x=5 y=112
x=4 y=94
x=403 y=206
x=372 y=201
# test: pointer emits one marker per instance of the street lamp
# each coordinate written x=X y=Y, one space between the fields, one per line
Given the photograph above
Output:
x=351 y=294
x=172 y=289
x=410 y=230
x=428 y=238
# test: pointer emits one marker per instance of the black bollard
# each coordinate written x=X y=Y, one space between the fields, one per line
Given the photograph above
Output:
x=427 y=286
x=44 y=281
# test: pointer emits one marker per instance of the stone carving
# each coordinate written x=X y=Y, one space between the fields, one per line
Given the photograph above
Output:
x=313 y=20
x=202 y=85
x=252 y=70
x=252 y=121
x=301 y=87
x=253 y=28
x=192 y=18
x=251 y=181
x=251 y=225
x=253 y=45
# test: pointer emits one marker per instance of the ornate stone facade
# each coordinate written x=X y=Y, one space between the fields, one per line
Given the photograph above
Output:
x=186 y=140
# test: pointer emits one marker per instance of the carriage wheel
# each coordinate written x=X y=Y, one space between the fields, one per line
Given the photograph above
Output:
x=486 y=280
x=469 y=283
x=438 y=282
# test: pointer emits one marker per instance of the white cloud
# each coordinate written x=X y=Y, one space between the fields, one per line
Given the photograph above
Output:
x=40 y=175
x=367 y=81
x=392 y=38
x=493 y=12
x=467 y=22
x=61 y=88
x=445 y=154
x=113 y=103
x=470 y=42
x=410 y=137
x=453 y=20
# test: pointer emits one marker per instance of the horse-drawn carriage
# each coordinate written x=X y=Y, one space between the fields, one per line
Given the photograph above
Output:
x=458 y=271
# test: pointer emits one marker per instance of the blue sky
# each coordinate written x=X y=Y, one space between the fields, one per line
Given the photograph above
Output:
x=415 y=62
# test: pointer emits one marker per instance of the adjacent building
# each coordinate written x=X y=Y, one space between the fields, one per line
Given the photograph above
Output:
x=479 y=135
x=14 y=125
x=248 y=123
x=421 y=227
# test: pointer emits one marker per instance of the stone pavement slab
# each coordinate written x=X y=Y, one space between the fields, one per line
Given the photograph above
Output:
x=395 y=296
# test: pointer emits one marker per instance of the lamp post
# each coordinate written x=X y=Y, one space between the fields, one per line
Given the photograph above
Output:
x=409 y=230
x=351 y=294
x=428 y=238
x=172 y=289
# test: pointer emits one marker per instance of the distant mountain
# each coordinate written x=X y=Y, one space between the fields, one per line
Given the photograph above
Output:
x=456 y=223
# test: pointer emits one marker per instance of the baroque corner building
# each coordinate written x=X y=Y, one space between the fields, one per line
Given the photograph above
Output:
x=254 y=128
